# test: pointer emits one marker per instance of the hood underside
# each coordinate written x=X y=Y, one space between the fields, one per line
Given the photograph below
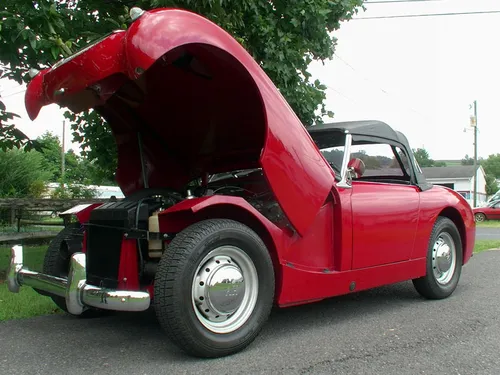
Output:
x=197 y=112
x=199 y=103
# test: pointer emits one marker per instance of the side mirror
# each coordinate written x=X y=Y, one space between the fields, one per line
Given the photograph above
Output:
x=357 y=166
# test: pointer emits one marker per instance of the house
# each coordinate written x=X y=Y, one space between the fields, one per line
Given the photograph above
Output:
x=461 y=179
x=102 y=192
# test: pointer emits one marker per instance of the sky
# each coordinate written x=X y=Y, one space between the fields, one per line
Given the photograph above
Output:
x=419 y=75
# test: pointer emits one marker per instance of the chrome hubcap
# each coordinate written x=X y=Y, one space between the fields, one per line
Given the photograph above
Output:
x=444 y=258
x=224 y=289
x=479 y=217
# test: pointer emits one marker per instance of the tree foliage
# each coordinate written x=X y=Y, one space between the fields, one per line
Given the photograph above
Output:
x=22 y=174
x=424 y=160
x=10 y=136
x=467 y=160
x=283 y=37
x=491 y=165
x=491 y=184
x=77 y=170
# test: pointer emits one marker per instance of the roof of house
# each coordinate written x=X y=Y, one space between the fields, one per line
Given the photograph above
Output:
x=462 y=171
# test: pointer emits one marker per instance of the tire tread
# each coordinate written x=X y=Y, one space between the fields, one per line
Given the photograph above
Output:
x=166 y=300
x=426 y=285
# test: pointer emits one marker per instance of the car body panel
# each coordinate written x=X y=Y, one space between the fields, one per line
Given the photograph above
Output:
x=202 y=105
x=385 y=219
x=289 y=158
x=304 y=287
x=438 y=201
x=491 y=211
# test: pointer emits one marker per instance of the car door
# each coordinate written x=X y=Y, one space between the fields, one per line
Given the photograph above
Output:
x=385 y=208
x=494 y=212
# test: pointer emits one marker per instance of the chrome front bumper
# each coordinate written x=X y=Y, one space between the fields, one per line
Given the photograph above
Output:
x=79 y=295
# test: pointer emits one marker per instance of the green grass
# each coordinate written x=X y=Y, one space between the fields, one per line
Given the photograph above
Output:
x=489 y=224
x=483 y=245
x=55 y=220
x=27 y=303
x=30 y=228
x=33 y=258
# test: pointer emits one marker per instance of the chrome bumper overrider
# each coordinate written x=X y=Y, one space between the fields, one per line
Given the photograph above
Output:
x=79 y=295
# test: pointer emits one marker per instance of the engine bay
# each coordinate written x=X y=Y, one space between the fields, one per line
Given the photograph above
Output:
x=136 y=218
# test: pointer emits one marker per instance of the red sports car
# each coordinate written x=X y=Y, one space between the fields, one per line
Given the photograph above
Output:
x=231 y=206
x=490 y=212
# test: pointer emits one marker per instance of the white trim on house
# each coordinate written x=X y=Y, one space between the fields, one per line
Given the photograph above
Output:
x=464 y=185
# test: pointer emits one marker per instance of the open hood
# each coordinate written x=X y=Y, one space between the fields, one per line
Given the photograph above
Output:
x=198 y=101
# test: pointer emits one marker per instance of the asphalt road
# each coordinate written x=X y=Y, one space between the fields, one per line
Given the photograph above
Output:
x=484 y=233
x=389 y=330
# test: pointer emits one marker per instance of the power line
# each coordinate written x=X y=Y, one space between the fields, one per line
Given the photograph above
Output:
x=428 y=15
x=375 y=85
x=12 y=94
x=341 y=94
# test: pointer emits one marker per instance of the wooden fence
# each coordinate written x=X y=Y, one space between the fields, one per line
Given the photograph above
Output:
x=16 y=213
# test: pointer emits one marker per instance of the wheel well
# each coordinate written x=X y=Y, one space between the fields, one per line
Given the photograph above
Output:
x=233 y=212
x=452 y=214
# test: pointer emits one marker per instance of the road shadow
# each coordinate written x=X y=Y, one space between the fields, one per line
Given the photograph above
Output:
x=142 y=331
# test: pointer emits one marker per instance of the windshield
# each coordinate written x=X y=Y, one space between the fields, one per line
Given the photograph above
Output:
x=334 y=157
x=494 y=203
x=331 y=145
x=495 y=197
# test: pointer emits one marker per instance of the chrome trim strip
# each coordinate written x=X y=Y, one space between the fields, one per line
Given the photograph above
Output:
x=48 y=283
x=16 y=265
x=76 y=282
x=120 y=300
x=344 y=180
x=79 y=295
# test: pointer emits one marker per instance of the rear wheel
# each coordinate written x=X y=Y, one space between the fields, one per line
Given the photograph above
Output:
x=444 y=261
x=56 y=263
x=479 y=217
x=214 y=288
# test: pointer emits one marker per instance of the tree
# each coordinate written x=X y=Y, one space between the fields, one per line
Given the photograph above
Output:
x=10 y=136
x=491 y=165
x=424 y=159
x=51 y=149
x=491 y=184
x=77 y=170
x=283 y=37
x=22 y=174
x=467 y=160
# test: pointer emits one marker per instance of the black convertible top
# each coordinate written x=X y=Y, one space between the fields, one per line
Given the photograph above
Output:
x=362 y=131
x=369 y=128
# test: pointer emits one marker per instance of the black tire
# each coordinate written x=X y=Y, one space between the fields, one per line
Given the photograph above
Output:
x=175 y=280
x=56 y=263
x=429 y=285
x=479 y=217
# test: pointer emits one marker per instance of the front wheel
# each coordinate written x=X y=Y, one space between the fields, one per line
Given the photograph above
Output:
x=444 y=261
x=214 y=288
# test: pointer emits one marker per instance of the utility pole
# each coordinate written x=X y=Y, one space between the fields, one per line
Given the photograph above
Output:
x=62 y=153
x=474 y=124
